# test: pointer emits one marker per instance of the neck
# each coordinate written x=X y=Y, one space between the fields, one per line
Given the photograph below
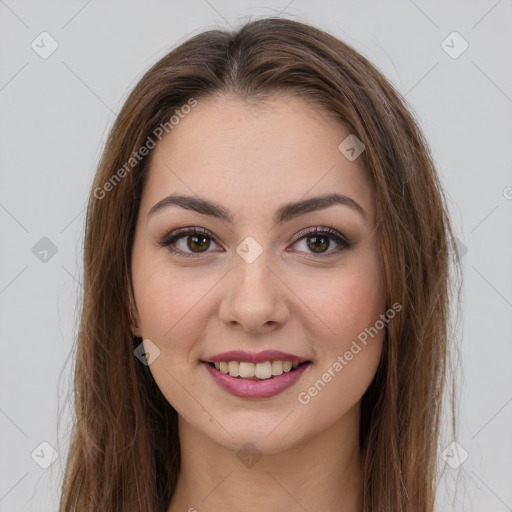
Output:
x=320 y=473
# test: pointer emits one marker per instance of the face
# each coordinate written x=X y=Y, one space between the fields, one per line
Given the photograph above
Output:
x=258 y=279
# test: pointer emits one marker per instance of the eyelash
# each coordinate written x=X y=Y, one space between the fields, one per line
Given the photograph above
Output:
x=172 y=237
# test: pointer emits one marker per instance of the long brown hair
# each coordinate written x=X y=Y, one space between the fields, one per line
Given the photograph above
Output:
x=124 y=450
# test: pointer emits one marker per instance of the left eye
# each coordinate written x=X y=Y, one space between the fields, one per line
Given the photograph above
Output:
x=318 y=240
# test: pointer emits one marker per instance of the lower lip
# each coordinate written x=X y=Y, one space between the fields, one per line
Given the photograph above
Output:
x=245 y=388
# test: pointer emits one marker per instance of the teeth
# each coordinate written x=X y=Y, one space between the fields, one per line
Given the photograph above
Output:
x=261 y=371
x=233 y=368
x=246 y=370
x=277 y=367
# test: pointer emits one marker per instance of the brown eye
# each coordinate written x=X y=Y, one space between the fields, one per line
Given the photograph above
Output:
x=198 y=241
x=319 y=240
x=318 y=243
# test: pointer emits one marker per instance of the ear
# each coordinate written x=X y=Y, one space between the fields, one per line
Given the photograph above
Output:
x=134 y=322
x=132 y=309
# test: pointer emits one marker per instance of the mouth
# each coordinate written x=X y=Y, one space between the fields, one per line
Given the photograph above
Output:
x=256 y=375
x=266 y=370
x=248 y=380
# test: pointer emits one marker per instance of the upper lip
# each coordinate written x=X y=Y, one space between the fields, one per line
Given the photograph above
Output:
x=255 y=357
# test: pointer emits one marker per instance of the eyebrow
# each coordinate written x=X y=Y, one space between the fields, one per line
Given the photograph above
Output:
x=282 y=214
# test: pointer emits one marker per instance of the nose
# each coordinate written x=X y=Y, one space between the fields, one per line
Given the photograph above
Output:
x=256 y=299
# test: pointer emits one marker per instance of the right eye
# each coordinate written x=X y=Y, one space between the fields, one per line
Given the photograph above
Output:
x=195 y=238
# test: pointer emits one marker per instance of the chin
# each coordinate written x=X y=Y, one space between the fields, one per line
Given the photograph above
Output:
x=265 y=435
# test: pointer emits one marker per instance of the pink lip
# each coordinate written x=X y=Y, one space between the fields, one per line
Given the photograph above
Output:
x=245 y=388
x=255 y=357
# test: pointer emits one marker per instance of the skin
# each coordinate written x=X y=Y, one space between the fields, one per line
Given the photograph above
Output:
x=252 y=158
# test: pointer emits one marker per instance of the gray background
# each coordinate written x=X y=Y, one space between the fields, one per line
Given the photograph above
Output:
x=55 y=115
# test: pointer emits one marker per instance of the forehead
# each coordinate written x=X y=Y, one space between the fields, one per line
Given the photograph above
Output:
x=253 y=155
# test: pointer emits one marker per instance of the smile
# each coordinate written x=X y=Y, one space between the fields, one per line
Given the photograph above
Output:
x=255 y=371
x=256 y=374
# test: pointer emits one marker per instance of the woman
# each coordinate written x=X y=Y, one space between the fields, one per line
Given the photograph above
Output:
x=264 y=324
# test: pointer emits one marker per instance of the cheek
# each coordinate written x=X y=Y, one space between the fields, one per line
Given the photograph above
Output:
x=168 y=299
x=339 y=384
x=172 y=311
x=349 y=300
x=174 y=324
x=349 y=304
x=348 y=359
